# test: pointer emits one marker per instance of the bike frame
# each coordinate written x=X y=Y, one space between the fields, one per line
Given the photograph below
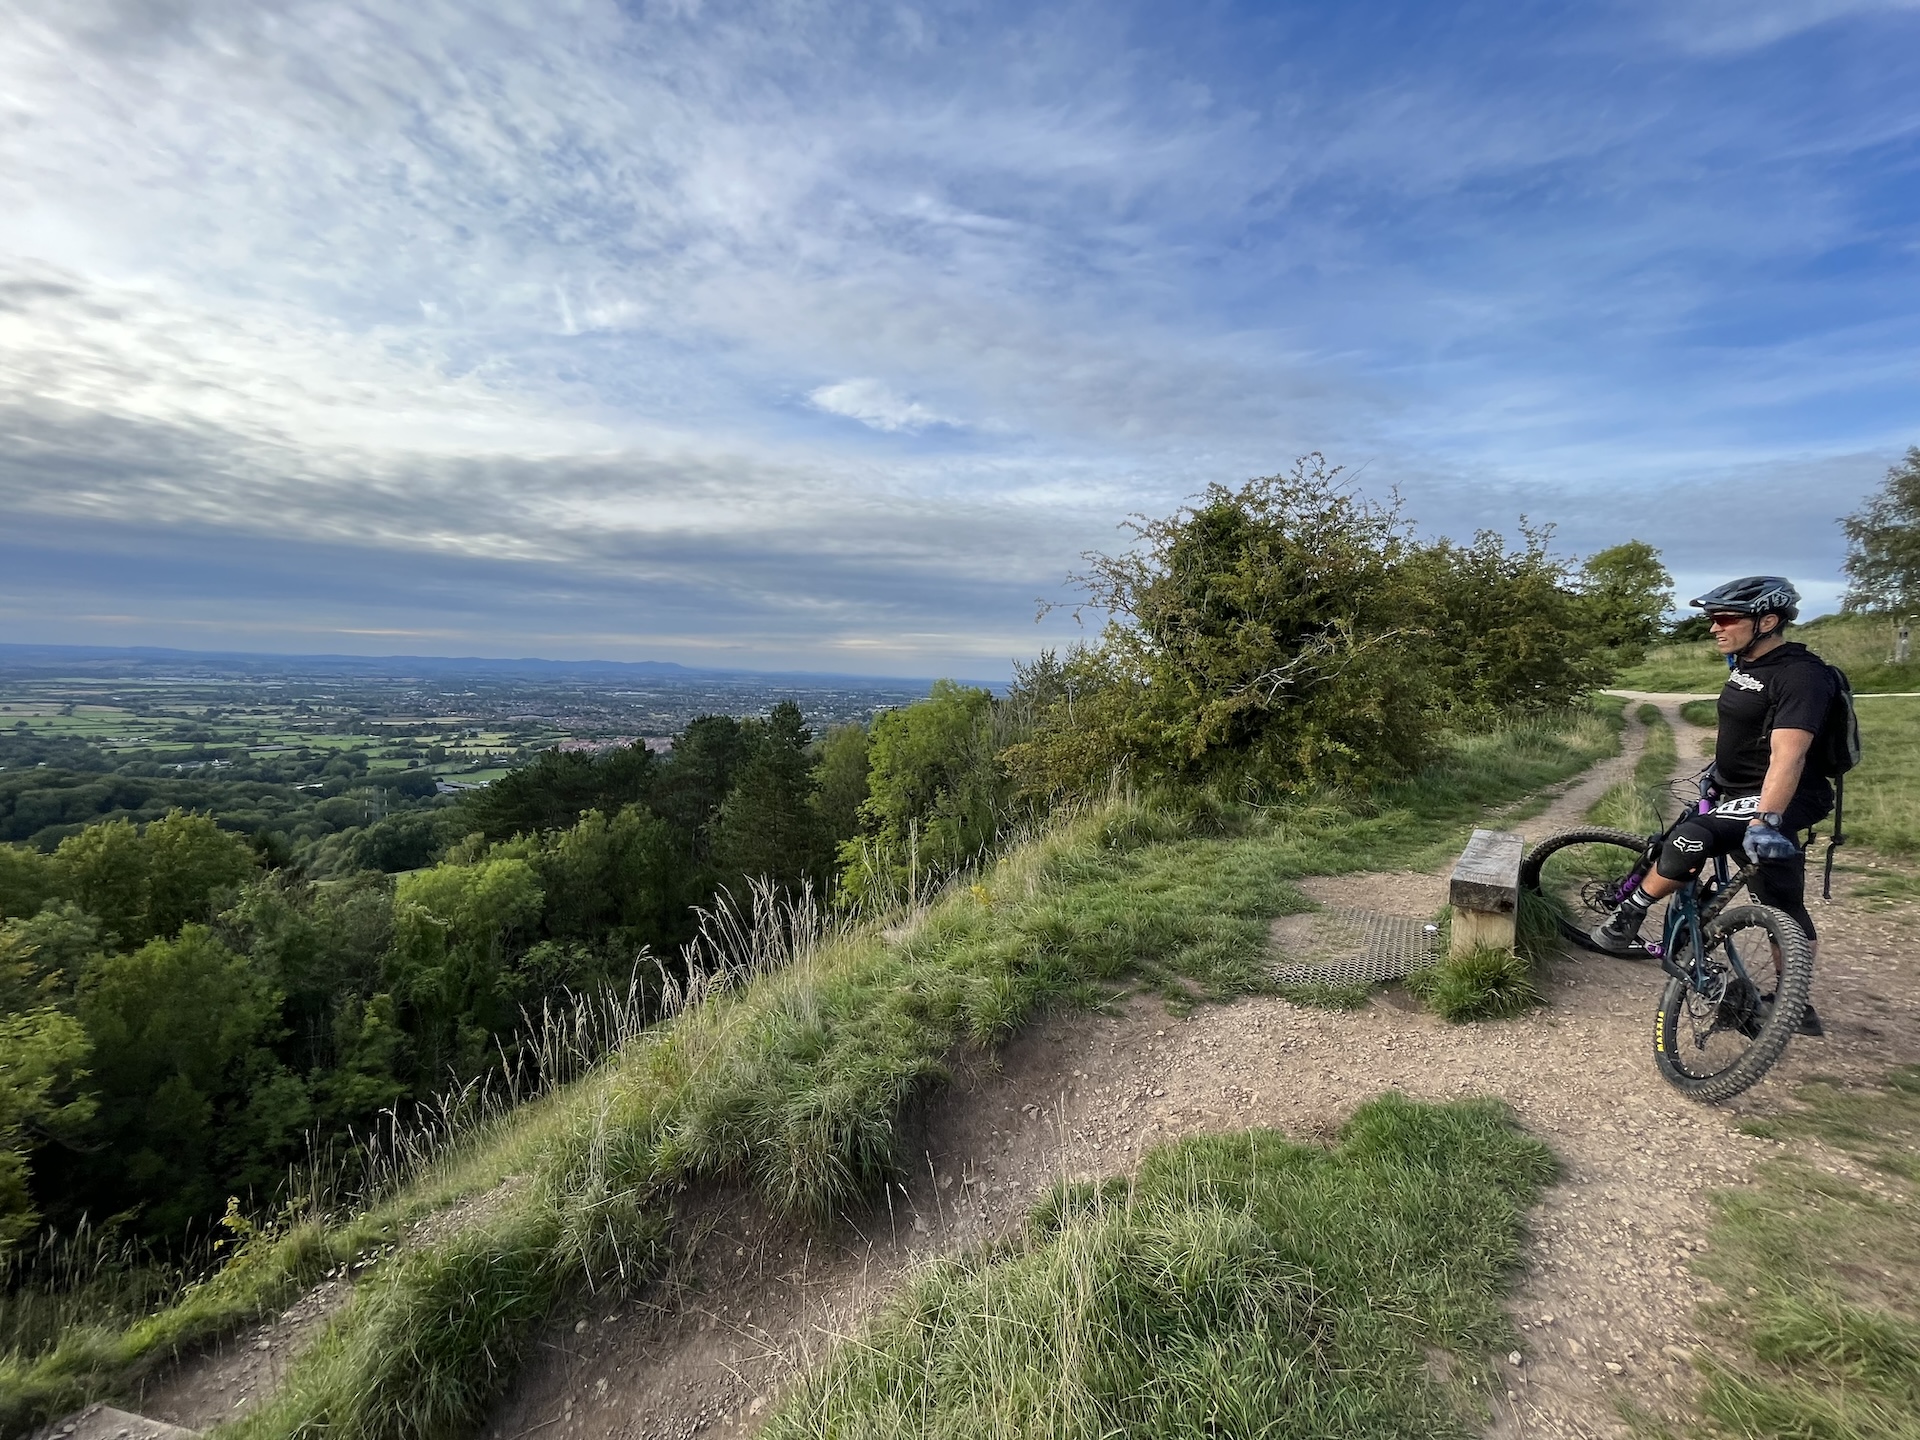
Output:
x=1693 y=906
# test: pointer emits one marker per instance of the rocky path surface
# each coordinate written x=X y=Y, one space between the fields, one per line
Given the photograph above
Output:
x=1606 y=1301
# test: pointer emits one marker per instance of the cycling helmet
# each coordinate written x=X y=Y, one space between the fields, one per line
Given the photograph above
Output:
x=1753 y=595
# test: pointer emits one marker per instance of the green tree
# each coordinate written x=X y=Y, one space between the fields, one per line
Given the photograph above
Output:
x=1630 y=593
x=767 y=826
x=935 y=793
x=1508 y=631
x=42 y=956
x=43 y=1059
x=1264 y=635
x=453 y=928
x=698 y=775
x=27 y=880
x=410 y=840
x=371 y=1053
x=618 y=882
x=104 y=869
x=840 y=781
x=146 y=883
x=320 y=946
x=194 y=868
x=182 y=1031
x=1883 y=544
x=559 y=787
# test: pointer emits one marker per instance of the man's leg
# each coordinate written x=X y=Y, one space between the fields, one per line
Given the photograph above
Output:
x=1690 y=846
x=1783 y=885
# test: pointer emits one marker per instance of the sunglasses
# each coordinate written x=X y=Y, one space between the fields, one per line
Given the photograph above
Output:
x=1717 y=621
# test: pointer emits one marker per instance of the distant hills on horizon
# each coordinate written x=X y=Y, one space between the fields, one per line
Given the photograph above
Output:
x=15 y=657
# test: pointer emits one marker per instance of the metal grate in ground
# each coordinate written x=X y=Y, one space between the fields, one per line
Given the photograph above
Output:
x=1345 y=946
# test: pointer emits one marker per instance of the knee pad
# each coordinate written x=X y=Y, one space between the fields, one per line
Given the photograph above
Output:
x=1685 y=852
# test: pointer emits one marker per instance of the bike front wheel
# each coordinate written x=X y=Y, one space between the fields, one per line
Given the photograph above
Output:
x=1723 y=1026
x=1583 y=875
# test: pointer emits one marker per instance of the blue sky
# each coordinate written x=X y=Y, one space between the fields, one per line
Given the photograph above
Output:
x=827 y=336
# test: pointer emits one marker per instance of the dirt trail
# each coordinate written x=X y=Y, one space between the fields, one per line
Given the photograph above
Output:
x=1605 y=1303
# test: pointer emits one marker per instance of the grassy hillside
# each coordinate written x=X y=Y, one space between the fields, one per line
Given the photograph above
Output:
x=790 y=1080
x=1862 y=645
x=1237 y=1285
x=1883 y=795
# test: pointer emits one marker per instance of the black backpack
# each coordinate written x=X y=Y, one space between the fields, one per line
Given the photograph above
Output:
x=1835 y=751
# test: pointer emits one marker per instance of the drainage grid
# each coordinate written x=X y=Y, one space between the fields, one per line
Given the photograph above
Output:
x=1341 y=945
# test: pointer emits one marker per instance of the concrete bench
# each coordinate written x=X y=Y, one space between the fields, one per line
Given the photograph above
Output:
x=1485 y=891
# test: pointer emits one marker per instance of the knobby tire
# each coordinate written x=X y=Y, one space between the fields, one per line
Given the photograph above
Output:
x=1671 y=1048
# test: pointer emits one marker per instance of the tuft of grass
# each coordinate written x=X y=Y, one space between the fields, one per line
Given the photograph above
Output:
x=1483 y=984
x=1879 y=1124
x=1240 y=1285
x=1329 y=997
x=1823 y=1276
x=792 y=1080
x=1704 y=713
x=1882 y=884
x=1492 y=984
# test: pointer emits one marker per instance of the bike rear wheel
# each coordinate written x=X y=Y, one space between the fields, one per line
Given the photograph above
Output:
x=1583 y=875
x=1719 y=1032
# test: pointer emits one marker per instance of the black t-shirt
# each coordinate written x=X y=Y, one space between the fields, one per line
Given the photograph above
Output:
x=1788 y=688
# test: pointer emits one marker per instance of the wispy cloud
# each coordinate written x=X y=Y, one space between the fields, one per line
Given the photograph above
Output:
x=873 y=319
x=875 y=404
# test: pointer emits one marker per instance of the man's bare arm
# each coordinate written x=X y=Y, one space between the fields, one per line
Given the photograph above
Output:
x=1789 y=751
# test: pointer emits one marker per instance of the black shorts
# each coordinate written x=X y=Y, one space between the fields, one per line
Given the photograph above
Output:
x=1779 y=883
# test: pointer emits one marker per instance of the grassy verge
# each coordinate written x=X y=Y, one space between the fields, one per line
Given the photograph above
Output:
x=1695 y=667
x=793 y=1083
x=94 y=1359
x=1238 y=1285
x=266 y=1271
x=1823 y=1277
x=1862 y=645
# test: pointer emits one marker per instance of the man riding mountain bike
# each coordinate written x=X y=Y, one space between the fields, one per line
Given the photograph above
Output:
x=1772 y=707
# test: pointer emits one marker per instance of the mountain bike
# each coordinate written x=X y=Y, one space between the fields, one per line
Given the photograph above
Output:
x=1737 y=975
